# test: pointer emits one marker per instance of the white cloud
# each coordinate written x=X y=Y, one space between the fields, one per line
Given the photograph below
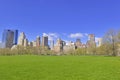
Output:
x=51 y=36
x=76 y=35
x=45 y=34
x=0 y=41
x=86 y=34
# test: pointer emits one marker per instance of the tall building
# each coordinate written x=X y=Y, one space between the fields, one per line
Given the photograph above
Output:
x=15 y=37
x=59 y=46
x=22 y=40
x=38 y=41
x=91 y=41
x=45 y=41
x=25 y=42
x=91 y=37
x=78 y=43
x=34 y=43
x=52 y=44
x=9 y=38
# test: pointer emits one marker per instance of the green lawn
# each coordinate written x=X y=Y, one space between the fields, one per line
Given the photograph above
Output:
x=59 y=68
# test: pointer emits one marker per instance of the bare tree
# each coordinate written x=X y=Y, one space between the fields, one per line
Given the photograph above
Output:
x=109 y=40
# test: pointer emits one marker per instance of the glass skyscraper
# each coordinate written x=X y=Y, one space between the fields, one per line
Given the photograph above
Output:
x=15 y=37
x=9 y=38
x=45 y=41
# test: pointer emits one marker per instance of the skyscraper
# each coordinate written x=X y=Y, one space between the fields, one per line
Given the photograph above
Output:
x=91 y=37
x=91 y=41
x=59 y=45
x=52 y=44
x=25 y=42
x=15 y=37
x=78 y=43
x=45 y=41
x=9 y=38
x=38 y=41
x=22 y=40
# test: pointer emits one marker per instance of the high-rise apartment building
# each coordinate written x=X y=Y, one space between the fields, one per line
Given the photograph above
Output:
x=38 y=41
x=15 y=37
x=45 y=41
x=91 y=37
x=52 y=44
x=91 y=41
x=25 y=42
x=78 y=43
x=9 y=38
x=59 y=46
x=22 y=40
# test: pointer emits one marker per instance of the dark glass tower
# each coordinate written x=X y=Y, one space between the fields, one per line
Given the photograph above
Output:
x=45 y=41
x=9 y=38
x=15 y=37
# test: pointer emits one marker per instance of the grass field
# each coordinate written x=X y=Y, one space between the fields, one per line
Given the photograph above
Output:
x=59 y=68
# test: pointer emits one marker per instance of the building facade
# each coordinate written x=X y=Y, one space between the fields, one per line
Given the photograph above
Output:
x=91 y=41
x=15 y=37
x=45 y=41
x=78 y=43
x=34 y=43
x=69 y=47
x=9 y=38
x=38 y=41
x=59 y=46
x=91 y=37
x=22 y=40
x=52 y=44
x=25 y=42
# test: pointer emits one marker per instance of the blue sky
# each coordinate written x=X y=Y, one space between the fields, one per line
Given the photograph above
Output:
x=61 y=17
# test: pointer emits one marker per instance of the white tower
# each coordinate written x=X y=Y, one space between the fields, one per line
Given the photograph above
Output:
x=25 y=42
x=21 y=39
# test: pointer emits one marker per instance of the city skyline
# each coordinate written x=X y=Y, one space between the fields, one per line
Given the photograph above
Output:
x=84 y=37
x=54 y=36
x=10 y=38
x=64 y=18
